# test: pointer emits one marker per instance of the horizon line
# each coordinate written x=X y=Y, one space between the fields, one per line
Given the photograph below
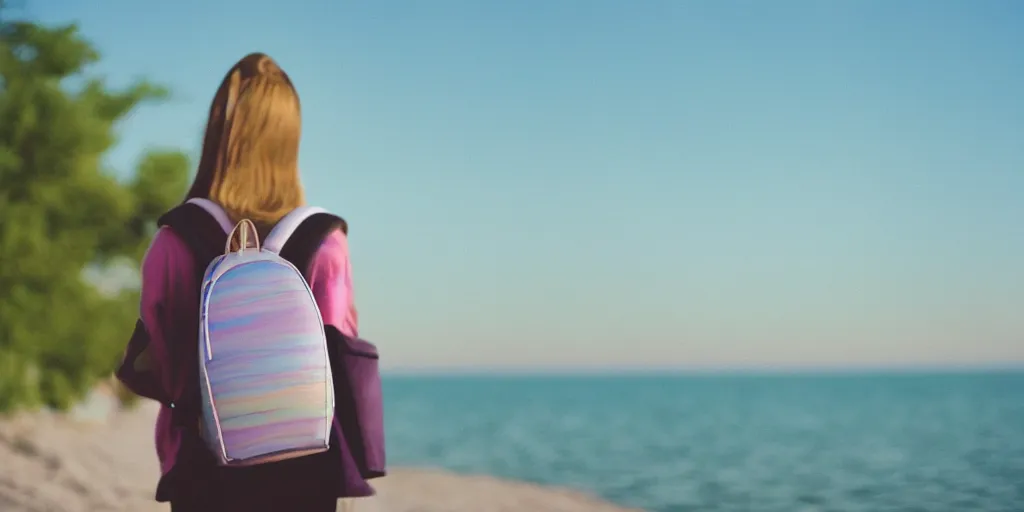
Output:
x=684 y=371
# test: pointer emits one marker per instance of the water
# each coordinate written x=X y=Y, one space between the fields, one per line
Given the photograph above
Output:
x=872 y=443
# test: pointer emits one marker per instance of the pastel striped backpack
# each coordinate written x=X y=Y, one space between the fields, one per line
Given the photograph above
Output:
x=273 y=382
x=264 y=371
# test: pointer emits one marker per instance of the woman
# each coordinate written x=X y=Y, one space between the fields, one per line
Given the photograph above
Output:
x=249 y=166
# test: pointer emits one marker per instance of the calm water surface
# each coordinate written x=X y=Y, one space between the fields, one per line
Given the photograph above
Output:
x=928 y=443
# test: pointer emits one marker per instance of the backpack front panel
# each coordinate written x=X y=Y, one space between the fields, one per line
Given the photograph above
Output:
x=265 y=374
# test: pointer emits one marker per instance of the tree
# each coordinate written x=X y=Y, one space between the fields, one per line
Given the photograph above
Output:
x=62 y=213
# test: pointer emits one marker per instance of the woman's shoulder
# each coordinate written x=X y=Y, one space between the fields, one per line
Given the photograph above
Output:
x=168 y=252
x=166 y=243
x=333 y=248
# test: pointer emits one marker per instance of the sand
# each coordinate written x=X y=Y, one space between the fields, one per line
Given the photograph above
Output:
x=99 y=462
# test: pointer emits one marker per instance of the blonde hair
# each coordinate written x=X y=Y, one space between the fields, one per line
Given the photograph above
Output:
x=249 y=163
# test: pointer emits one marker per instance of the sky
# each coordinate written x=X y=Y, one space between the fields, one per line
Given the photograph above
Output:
x=656 y=184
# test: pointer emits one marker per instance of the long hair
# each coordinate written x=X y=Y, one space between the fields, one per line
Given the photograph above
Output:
x=249 y=164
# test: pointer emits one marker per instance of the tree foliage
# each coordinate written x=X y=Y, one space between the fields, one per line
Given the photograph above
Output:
x=62 y=212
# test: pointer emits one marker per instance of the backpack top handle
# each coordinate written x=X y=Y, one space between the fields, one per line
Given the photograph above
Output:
x=243 y=236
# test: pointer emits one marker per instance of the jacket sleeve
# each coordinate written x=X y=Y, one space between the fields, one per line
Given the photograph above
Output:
x=330 y=279
x=143 y=369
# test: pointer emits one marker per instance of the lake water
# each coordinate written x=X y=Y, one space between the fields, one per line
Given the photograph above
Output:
x=872 y=443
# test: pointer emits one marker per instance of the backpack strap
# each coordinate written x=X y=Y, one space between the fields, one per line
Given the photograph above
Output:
x=201 y=225
x=299 y=242
x=285 y=227
x=215 y=211
x=201 y=228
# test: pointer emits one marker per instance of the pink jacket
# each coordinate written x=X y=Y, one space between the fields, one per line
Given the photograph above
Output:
x=169 y=292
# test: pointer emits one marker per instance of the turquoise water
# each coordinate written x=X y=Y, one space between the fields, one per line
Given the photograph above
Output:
x=872 y=443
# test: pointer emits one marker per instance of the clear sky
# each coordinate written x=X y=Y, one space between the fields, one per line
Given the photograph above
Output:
x=644 y=183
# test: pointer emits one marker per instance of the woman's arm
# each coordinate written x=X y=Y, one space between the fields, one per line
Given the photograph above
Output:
x=330 y=278
x=144 y=367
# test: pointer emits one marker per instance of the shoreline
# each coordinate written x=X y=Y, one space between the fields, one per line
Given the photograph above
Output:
x=96 y=459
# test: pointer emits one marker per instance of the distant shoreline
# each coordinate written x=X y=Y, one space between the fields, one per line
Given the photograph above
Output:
x=862 y=371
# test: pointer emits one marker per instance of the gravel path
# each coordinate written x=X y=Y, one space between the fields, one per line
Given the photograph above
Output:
x=53 y=463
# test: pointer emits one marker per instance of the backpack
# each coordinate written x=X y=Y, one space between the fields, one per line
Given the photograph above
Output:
x=274 y=383
x=264 y=372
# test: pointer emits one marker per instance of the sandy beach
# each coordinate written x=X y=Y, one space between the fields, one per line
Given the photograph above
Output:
x=92 y=462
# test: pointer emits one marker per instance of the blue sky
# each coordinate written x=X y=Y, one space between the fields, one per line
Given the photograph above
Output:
x=652 y=183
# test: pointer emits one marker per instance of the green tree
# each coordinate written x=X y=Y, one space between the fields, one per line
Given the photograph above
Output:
x=62 y=213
